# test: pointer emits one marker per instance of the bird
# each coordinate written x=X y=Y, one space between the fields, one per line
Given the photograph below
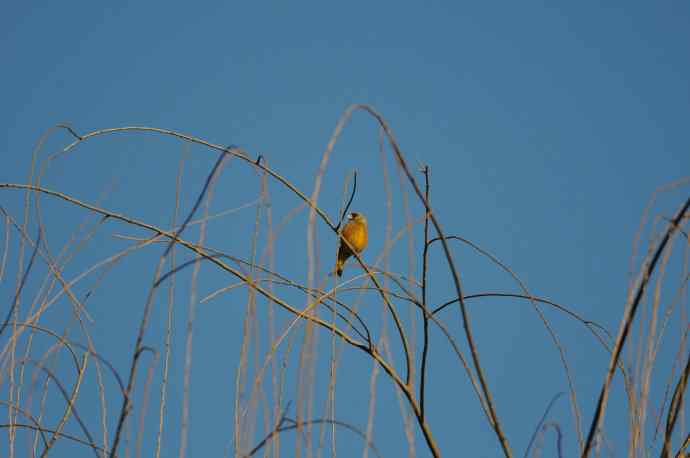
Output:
x=355 y=232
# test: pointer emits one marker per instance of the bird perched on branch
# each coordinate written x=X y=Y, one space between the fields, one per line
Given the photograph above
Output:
x=355 y=232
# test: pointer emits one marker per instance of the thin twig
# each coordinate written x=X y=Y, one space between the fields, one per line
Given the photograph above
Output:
x=349 y=202
x=169 y=322
x=425 y=260
x=295 y=425
x=21 y=283
x=541 y=422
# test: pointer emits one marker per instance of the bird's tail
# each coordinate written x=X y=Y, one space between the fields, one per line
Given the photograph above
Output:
x=339 y=268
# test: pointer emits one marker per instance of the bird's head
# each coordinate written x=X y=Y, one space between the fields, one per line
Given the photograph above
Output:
x=357 y=217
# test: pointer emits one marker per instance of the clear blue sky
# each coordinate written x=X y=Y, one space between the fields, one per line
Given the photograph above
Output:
x=546 y=127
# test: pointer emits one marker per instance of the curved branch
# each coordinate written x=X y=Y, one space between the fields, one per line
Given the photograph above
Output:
x=547 y=325
x=557 y=306
x=22 y=282
x=294 y=425
x=235 y=152
x=58 y=337
x=71 y=408
x=541 y=422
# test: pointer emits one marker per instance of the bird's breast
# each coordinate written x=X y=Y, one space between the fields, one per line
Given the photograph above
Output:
x=356 y=235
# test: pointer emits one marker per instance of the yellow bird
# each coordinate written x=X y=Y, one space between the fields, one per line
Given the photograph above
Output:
x=355 y=232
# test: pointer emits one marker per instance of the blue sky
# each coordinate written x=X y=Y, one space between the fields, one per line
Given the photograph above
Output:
x=546 y=126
